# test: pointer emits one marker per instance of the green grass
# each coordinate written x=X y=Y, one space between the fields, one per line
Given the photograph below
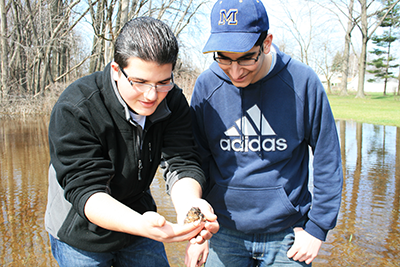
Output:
x=375 y=108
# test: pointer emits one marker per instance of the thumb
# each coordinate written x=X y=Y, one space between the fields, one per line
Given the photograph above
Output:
x=161 y=221
x=155 y=219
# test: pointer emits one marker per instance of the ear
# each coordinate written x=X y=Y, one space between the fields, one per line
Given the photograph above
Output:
x=115 y=71
x=267 y=43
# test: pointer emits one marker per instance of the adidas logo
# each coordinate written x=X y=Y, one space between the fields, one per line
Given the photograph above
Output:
x=253 y=128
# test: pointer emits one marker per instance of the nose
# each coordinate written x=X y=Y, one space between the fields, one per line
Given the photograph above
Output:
x=236 y=70
x=151 y=94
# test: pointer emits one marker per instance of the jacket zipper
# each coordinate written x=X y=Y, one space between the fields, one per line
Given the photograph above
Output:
x=140 y=167
x=138 y=148
x=150 y=158
x=142 y=134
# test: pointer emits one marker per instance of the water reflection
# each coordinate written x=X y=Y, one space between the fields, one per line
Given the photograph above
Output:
x=23 y=163
x=368 y=226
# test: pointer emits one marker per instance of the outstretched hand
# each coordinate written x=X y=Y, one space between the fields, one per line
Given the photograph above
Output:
x=156 y=227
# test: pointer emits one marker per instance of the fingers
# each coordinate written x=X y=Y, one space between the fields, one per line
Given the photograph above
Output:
x=305 y=247
x=196 y=255
x=301 y=255
x=208 y=212
x=212 y=227
x=156 y=227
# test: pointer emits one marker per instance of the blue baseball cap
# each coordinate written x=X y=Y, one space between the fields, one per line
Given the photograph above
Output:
x=236 y=25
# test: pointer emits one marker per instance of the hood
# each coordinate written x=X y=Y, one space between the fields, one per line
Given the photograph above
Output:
x=281 y=61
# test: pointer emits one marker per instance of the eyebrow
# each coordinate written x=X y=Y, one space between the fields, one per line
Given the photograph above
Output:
x=242 y=57
x=137 y=79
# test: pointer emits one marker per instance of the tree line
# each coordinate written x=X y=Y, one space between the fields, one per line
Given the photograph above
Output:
x=41 y=45
x=315 y=24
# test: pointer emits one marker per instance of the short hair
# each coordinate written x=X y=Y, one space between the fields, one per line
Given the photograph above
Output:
x=148 y=39
x=261 y=39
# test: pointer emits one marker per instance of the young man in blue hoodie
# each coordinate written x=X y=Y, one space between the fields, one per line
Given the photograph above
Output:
x=258 y=115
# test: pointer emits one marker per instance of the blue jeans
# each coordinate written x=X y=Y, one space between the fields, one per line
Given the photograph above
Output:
x=236 y=249
x=144 y=252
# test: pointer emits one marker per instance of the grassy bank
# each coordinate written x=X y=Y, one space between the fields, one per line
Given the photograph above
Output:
x=374 y=108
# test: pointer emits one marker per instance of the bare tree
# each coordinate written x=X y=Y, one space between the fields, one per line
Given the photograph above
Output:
x=304 y=39
x=343 y=8
x=361 y=20
x=39 y=45
x=326 y=65
x=36 y=44
x=178 y=14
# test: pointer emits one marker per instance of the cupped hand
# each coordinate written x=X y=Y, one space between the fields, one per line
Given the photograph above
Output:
x=211 y=225
x=156 y=227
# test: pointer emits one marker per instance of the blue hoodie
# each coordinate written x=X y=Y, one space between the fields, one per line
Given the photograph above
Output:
x=254 y=143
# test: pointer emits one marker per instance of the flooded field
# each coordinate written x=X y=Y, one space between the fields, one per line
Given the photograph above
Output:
x=367 y=232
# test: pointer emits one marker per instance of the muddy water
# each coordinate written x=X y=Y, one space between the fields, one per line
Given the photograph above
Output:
x=367 y=232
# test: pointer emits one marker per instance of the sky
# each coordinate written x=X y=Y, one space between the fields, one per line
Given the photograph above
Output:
x=319 y=25
x=310 y=22
x=280 y=26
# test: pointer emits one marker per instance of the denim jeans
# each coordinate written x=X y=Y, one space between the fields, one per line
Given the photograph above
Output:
x=236 y=249
x=144 y=252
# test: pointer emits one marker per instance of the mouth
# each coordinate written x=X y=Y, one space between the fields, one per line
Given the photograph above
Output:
x=147 y=104
x=240 y=79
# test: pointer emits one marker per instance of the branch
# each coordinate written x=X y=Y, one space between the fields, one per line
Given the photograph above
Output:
x=383 y=18
x=70 y=70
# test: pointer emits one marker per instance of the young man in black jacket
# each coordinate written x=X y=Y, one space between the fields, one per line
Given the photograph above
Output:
x=108 y=133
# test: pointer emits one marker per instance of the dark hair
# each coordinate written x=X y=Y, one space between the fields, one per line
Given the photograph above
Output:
x=148 y=39
x=261 y=39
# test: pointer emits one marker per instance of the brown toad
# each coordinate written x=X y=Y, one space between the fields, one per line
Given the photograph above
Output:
x=194 y=215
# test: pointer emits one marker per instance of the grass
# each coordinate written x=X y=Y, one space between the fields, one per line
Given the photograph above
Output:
x=375 y=108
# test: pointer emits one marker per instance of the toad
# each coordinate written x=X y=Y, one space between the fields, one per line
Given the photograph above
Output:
x=194 y=215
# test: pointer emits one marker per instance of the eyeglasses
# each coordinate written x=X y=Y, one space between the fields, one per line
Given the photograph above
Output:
x=240 y=61
x=145 y=87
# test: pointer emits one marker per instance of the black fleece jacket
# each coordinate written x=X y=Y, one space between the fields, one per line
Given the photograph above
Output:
x=96 y=147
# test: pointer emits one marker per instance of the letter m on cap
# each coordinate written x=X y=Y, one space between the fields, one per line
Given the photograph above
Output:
x=229 y=17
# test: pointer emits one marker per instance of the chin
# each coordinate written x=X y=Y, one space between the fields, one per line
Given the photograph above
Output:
x=241 y=85
x=146 y=112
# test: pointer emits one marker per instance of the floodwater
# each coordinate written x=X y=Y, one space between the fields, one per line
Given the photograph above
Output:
x=367 y=231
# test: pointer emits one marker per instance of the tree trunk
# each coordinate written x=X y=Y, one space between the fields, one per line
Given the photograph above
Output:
x=98 y=41
x=328 y=88
x=346 y=54
x=32 y=67
x=124 y=12
x=4 y=51
x=398 y=84
x=108 y=29
x=363 y=57
x=387 y=64
x=17 y=62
